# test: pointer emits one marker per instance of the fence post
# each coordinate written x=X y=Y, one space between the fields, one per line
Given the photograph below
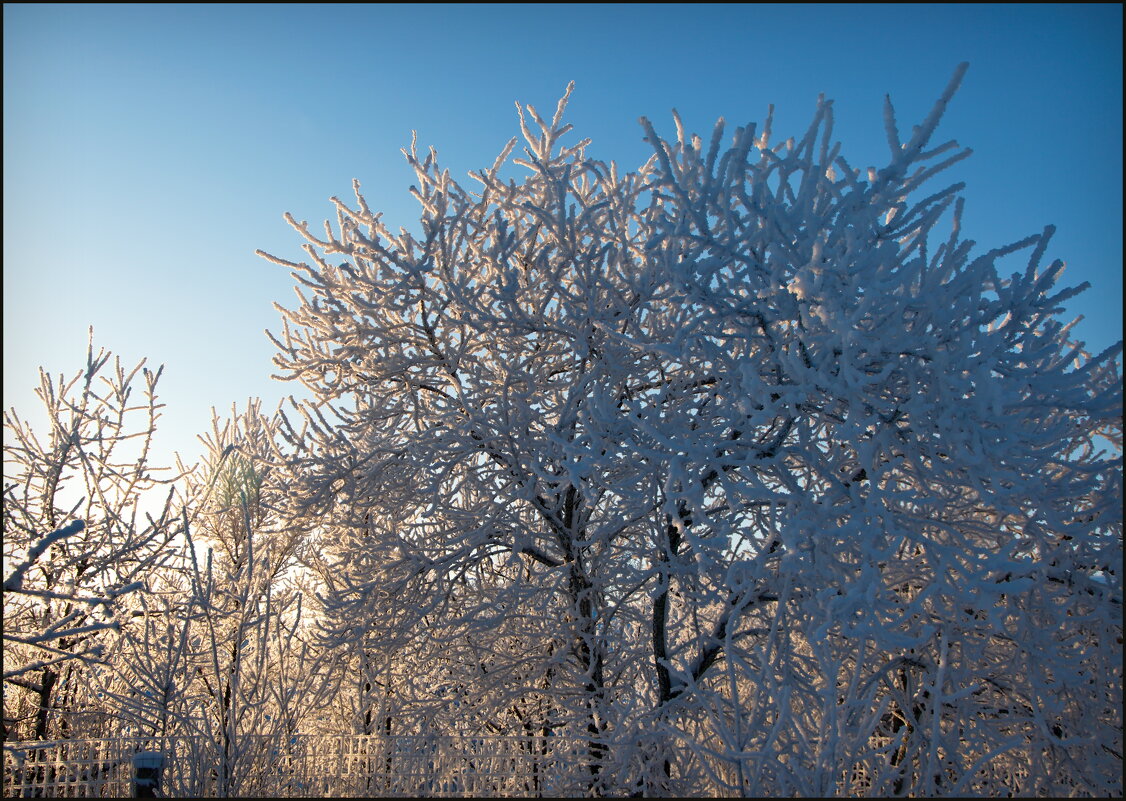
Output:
x=147 y=767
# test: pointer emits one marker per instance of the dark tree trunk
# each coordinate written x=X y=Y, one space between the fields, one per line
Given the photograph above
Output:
x=46 y=691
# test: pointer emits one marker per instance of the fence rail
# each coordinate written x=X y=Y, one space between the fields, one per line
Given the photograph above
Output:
x=302 y=766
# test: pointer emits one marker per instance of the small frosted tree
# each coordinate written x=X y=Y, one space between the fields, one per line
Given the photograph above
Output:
x=76 y=537
x=778 y=488
x=249 y=672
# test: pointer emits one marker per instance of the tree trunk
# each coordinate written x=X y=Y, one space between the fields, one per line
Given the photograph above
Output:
x=42 y=715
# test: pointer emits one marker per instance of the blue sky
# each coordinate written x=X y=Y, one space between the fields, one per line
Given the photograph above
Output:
x=150 y=149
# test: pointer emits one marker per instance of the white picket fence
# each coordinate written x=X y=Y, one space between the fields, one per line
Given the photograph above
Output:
x=375 y=766
x=303 y=766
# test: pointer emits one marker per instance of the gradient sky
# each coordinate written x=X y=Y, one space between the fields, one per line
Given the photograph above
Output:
x=148 y=150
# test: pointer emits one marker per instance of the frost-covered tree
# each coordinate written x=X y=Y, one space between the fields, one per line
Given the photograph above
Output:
x=733 y=467
x=76 y=536
x=248 y=671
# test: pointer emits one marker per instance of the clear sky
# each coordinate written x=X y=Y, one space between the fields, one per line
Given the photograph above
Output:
x=149 y=149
